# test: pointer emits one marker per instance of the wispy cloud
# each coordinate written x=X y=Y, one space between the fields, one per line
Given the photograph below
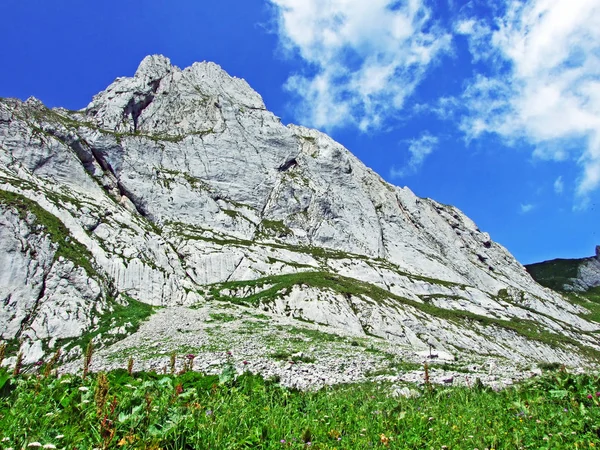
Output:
x=365 y=58
x=559 y=185
x=526 y=208
x=544 y=83
x=419 y=149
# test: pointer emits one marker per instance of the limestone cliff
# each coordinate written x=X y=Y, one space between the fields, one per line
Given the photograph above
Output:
x=178 y=188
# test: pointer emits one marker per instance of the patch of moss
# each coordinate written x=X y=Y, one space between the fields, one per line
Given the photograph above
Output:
x=274 y=227
x=222 y=317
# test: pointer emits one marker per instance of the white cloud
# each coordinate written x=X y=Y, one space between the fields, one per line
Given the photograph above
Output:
x=546 y=84
x=419 y=150
x=367 y=58
x=559 y=185
x=525 y=208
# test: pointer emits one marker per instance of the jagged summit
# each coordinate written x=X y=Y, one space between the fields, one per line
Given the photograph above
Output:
x=162 y=98
x=177 y=188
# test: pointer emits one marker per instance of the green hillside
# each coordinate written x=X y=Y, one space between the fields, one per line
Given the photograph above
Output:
x=555 y=274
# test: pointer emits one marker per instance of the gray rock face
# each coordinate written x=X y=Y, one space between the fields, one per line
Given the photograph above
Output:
x=588 y=275
x=183 y=189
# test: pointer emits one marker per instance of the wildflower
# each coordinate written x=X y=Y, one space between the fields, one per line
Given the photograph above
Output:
x=34 y=444
x=308 y=444
x=384 y=439
x=229 y=353
x=209 y=412
x=190 y=356
x=49 y=446
x=39 y=363
x=597 y=394
x=282 y=441
x=590 y=396
x=244 y=362
x=83 y=389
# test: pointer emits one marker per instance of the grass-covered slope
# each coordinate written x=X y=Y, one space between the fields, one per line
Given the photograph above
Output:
x=193 y=411
x=555 y=274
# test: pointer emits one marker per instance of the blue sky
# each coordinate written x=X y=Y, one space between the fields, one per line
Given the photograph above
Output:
x=495 y=110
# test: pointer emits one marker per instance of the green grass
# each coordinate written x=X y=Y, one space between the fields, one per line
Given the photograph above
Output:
x=192 y=411
x=556 y=273
x=274 y=227
x=589 y=300
x=222 y=317
x=288 y=356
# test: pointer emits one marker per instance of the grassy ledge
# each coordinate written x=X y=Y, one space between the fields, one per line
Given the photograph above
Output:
x=352 y=287
x=129 y=317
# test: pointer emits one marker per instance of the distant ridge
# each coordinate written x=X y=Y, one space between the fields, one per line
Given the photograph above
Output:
x=578 y=274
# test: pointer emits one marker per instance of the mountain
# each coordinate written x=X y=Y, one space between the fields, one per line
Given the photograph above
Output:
x=175 y=213
x=569 y=275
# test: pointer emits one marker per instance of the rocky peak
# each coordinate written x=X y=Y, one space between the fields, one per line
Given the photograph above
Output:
x=598 y=252
x=153 y=68
x=162 y=99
